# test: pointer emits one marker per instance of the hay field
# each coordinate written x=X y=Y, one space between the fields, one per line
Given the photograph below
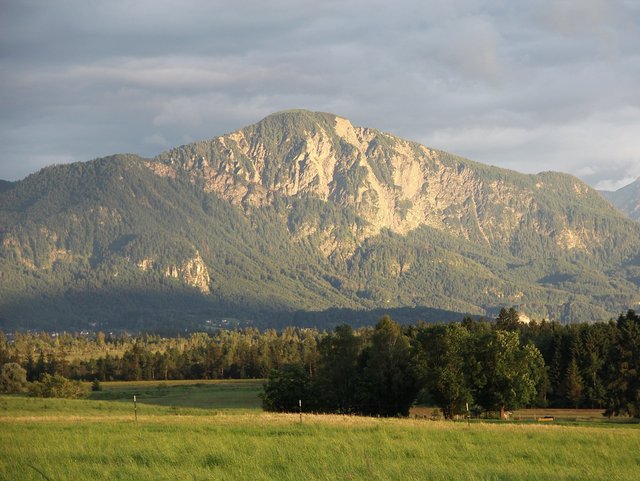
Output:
x=100 y=440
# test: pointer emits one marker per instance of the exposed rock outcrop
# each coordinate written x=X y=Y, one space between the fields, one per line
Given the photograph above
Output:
x=193 y=272
x=390 y=182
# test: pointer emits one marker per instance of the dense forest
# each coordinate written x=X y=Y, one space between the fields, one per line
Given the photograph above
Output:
x=489 y=365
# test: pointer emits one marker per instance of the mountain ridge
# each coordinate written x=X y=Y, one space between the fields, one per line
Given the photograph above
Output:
x=304 y=212
x=626 y=199
x=232 y=175
x=5 y=185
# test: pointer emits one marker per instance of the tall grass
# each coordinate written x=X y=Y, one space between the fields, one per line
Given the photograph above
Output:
x=89 y=440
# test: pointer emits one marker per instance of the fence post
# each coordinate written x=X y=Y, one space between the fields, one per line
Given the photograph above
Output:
x=468 y=416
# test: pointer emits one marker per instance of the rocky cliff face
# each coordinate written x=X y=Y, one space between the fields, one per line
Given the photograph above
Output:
x=193 y=272
x=389 y=182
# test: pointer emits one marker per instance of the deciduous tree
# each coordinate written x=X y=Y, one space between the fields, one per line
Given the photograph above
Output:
x=448 y=367
x=285 y=387
x=511 y=374
x=13 y=378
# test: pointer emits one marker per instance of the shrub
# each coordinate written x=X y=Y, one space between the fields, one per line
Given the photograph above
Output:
x=285 y=387
x=57 y=386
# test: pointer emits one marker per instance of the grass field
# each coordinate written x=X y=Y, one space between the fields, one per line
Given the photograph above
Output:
x=213 y=394
x=100 y=440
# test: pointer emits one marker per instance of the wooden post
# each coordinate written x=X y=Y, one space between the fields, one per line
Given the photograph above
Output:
x=135 y=408
x=468 y=415
x=300 y=405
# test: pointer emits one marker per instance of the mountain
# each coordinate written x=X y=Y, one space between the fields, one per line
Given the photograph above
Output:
x=5 y=185
x=303 y=218
x=627 y=199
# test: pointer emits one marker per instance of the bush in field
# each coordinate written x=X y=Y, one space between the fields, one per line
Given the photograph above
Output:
x=13 y=378
x=285 y=387
x=57 y=386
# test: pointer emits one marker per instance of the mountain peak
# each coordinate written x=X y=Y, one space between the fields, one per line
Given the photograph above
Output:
x=299 y=113
x=389 y=182
x=292 y=122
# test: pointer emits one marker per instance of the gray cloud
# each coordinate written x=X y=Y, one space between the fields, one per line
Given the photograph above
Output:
x=530 y=86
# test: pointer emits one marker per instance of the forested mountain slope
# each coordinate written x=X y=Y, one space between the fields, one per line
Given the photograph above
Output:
x=305 y=212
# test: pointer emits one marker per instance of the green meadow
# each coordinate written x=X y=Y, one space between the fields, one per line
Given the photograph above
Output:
x=216 y=431
x=207 y=394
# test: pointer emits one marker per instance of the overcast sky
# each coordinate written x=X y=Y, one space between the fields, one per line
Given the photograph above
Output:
x=528 y=85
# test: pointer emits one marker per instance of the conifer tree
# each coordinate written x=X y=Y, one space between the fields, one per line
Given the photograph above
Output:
x=573 y=384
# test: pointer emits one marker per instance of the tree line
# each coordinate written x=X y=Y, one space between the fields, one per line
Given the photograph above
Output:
x=488 y=365
x=445 y=365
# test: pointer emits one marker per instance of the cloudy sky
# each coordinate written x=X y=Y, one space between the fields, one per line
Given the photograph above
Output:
x=527 y=85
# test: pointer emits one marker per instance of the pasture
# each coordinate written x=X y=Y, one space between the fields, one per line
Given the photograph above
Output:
x=207 y=394
x=54 y=439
